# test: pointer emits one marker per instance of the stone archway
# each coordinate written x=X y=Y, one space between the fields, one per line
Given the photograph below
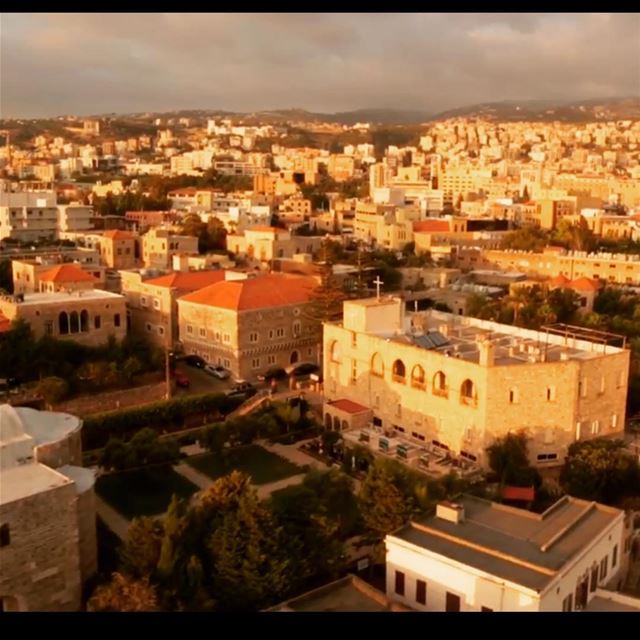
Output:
x=10 y=603
x=295 y=357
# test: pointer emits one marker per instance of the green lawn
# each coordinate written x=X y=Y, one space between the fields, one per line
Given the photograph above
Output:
x=144 y=492
x=262 y=465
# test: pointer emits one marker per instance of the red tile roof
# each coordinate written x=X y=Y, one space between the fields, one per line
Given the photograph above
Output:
x=188 y=280
x=431 y=225
x=67 y=273
x=526 y=494
x=584 y=284
x=348 y=406
x=116 y=234
x=559 y=281
x=5 y=323
x=260 y=292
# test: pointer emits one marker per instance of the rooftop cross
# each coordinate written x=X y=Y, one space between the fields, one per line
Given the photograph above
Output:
x=378 y=282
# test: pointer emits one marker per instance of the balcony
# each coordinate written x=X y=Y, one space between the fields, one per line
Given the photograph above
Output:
x=469 y=401
x=442 y=392
x=398 y=378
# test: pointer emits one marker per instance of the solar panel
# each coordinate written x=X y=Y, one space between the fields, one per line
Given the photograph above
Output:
x=431 y=340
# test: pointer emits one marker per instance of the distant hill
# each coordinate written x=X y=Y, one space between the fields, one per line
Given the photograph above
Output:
x=374 y=116
x=625 y=108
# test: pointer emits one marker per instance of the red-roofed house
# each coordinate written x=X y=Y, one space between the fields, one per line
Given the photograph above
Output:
x=152 y=302
x=250 y=325
x=343 y=414
x=586 y=288
x=120 y=249
x=66 y=277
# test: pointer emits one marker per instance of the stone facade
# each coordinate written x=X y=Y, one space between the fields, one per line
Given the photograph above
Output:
x=468 y=394
x=88 y=317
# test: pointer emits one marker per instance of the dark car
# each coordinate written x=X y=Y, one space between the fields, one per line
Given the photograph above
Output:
x=195 y=361
x=276 y=373
x=181 y=379
x=242 y=390
x=304 y=369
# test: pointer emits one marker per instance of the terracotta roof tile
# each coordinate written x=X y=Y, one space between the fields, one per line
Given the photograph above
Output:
x=67 y=273
x=260 y=292
x=117 y=234
x=348 y=406
x=188 y=281
x=584 y=284
x=431 y=226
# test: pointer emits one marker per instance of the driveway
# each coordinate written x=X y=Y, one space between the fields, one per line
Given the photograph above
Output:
x=200 y=382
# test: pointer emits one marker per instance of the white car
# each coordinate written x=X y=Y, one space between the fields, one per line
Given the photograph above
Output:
x=217 y=371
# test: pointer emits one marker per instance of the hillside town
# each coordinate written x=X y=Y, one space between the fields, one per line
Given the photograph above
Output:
x=399 y=363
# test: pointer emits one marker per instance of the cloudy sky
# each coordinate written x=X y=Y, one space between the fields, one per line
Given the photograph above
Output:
x=53 y=64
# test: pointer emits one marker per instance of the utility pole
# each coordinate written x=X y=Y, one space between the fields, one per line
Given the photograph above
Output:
x=167 y=365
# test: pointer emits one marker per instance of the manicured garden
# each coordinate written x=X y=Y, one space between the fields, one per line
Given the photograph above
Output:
x=262 y=465
x=143 y=492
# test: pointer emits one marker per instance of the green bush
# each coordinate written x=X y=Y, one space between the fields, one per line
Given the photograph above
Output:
x=165 y=416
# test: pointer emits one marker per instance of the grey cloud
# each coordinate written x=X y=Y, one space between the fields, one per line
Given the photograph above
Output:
x=97 y=63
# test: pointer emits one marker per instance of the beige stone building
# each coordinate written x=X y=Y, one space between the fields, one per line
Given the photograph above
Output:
x=27 y=273
x=251 y=325
x=152 y=308
x=553 y=261
x=454 y=384
x=160 y=245
x=47 y=512
x=266 y=243
x=88 y=316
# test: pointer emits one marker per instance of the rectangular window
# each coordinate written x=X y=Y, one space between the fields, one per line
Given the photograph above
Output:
x=595 y=427
x=143 y=301
x=5 y=535
x=96 y=322
x=156 y=304
x=400 y=583
x=255 y=363
x=603 y=568
x=551 y=394
x=567 y=603
x=614 y=421
x=354 y=339
x=614 y=557
x=602 y=385
x=149 y=327
x=354 y=371
x=161 y=331
x=421 y=592
x=226 y=363
x=253 y=337
x=203 y=332
x=116 y=320
x=189 y=329
x=217 y=336
x=271 y=359
x=226 y=338
x=452 y=603
x=594 y=579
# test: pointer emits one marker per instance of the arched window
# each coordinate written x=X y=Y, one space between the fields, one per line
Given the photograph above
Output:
x=335 y=352
x=440 y=385
x=63 y=323
x=297 y=328
x=327 y=421
x=377 y=365
x=74 y=322
x=84 y=321
x=417 y=377
x=399 y=371
x=336 y=423
x=468 y=392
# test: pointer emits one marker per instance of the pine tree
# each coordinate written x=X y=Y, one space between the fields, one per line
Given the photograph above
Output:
x=250 y=557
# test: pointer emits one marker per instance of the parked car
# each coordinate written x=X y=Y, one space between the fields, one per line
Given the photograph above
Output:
x=181 y=379
x=304 y=369
x=275 y=373
x=217 y=371
x=242 y=390
x=195 y=361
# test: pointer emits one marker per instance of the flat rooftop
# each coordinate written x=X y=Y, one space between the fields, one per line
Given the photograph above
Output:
x=27 y=480
x=86 y=294
x=522 y=547
x=349 y=594
x=512 y=345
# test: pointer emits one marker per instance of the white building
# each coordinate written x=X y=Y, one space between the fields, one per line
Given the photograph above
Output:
x=477 y=555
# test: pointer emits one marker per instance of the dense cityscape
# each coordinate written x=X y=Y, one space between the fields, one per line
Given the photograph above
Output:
x=286 y=361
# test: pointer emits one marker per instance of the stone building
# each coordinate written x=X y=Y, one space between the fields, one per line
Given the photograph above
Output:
x=476 y=555
x=251 y=325
x=160 y=245
x=47 y=512
x=267 y=243
x=152 y=307
x=88 y=316
x=454 y=384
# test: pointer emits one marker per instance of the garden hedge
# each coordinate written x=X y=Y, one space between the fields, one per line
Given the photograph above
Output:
x=165 y=416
